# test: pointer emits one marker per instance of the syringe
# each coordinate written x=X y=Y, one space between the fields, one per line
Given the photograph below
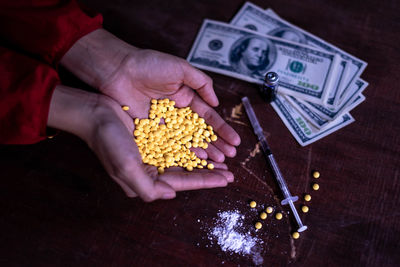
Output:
x=289 y=199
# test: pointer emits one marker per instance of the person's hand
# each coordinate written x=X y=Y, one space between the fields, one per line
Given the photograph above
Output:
x=134 y=76
x=102 y=124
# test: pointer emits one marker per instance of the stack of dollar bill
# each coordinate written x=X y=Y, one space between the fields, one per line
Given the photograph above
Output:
x=319 y=83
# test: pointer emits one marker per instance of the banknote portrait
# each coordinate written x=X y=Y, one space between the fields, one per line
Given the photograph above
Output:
x=288 y=34
x=252 y=56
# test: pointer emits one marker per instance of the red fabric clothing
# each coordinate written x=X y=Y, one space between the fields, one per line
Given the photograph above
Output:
x=26 y=86
x=34 y=36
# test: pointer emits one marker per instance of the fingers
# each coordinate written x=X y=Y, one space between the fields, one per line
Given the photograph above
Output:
x=147 y=188
x=214 y=153
x=200 y=153
x=229 y=150
x=128 y=191
x=211 y=116
x=198 y=179
x=200 y=82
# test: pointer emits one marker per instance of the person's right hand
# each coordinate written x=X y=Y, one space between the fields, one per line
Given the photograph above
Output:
x=107 y=129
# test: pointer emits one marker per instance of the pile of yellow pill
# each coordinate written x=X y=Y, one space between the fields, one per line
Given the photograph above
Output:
x=165 y=138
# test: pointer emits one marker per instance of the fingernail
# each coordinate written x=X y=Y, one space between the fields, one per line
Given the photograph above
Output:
x=169 y=195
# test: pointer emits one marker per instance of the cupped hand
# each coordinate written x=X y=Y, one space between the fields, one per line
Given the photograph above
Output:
x=102 y=124
x=147 y=74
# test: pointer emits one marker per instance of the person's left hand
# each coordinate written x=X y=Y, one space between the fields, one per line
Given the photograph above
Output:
x=137 y=76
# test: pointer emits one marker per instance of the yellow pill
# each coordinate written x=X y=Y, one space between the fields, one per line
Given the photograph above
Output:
x=213 y=137
x=160 y=170
x=126 y=108
x=316 y=174
x=210 y=166
x=203 y=162
x=154 y=101
x=253 y=204
x=258 y=225
x=269 y=209
x=315 y=186
x=263 y=215
x=189 y=168
x=307 y=197
x=304 y=209
x=295 y=235
x=278 y=216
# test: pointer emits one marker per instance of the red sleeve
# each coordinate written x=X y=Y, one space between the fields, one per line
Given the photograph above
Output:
x=26 y=87
x=45 y=29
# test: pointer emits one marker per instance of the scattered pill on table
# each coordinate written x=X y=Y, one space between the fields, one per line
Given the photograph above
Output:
x=304 y=209
x=269 y=209
x=295 y=235
x=278 y=216
x=126 y=108
x=258 y=225
x=316 y=174
x=307 y=197
x=315 y=186
x=263 y=215
x=253 y=204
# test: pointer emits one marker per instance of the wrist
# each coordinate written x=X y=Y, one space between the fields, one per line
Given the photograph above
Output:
x=79 y=112
x=96 y=56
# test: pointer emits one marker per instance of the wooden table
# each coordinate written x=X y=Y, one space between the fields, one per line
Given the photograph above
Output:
x=59 y=207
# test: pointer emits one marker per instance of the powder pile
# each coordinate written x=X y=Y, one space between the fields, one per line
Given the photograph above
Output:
x=226 y=232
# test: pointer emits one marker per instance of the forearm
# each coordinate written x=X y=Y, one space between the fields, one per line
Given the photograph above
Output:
x=70 y=109
x=96 y=56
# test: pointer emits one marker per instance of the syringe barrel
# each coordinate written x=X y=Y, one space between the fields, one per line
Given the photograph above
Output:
x=278 y=175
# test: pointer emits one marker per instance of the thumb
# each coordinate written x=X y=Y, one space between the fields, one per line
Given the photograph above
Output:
x=147 y=188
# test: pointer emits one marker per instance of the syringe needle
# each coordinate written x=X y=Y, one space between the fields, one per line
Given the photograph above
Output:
x=288 y=198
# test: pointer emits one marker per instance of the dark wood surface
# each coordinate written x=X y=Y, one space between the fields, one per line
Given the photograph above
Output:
x=58 y=207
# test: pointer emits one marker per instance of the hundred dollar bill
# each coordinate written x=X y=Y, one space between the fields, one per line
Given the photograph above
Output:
x=267 y=22
x=314 y=117
x=300 y=128
x=354 y=99
x=336 y=95
x=305 y=72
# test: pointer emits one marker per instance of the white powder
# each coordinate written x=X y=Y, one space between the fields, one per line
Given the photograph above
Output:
x=230 y=239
